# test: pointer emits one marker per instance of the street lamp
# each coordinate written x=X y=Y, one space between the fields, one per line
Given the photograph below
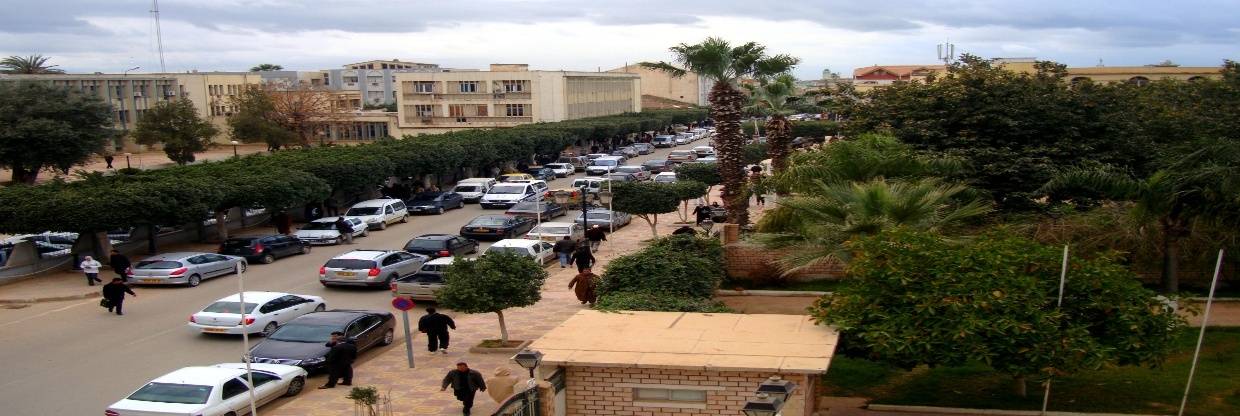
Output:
x=707 y=224
x=235 y=143
x=604 y=197
x=127 y=155
x=770 y=397
x=528 y=359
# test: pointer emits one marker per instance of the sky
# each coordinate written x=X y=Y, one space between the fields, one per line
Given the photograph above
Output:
x=586 y=35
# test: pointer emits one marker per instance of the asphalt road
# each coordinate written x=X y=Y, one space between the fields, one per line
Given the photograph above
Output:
x=74 y=358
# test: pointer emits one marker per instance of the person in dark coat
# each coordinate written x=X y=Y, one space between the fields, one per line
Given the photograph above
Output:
x=702 y=213
x=435 y=325
x=115 y=292
x=583 y=258
x=120 y=264
x=108 y=159
x=346 y=230
x=564 y=250
x=583 y=286
x=465 y=383
x=597 y=235
x=340 y=361
x=283 y=222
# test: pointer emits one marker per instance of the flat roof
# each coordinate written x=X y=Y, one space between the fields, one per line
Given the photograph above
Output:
x=691 y=341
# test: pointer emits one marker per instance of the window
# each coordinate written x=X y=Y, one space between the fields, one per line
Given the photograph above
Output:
x=669 y=395
x=456 y=110
x=262 y=378
x=424 y=86
x=514 y=86
x=469 y=86
x=514 y=110
x=424 y=110
x=232 y=388
x=1139 y=81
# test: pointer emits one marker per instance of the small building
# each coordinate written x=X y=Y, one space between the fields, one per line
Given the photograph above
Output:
x=690 y=89
x=684 y=364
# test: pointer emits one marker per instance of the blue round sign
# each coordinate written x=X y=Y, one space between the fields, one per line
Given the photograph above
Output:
x=403 y=304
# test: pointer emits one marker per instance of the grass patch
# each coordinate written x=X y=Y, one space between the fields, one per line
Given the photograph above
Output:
x=1216 y=389
x=810 y=285
x=495 y=343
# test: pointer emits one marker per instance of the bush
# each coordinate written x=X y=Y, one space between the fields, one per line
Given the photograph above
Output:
x=678 y=266
x=641 y=301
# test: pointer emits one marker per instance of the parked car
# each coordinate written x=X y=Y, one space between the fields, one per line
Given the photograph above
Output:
x=472 y=189
x=375 y=268
x=301 y=342
x=537 y=208
x=542 y=173
x=505 y=195
x=562 y=170
x=264 y=312
x=378 y=213
x=221 y=389
x=659 y=165
x=540 y=251
x=708 y=159
x=621 y=177
x=265 y=248
x=435 y=202
x=603 y=165
x=423 y=284
x=593 y=156
x=441 y=245
x=626 y=151
x=592 y=184
x=639 y=172
x=681 y=156
x=704 y=151
x=665 y=177
x=186 y=268
x=644 y=148
x=605 y=218
x=682 y=138
x=497 y=227
x=515 y=177
x=663 y=141
x=556 y=231
x=579 y=162
x=323 y=230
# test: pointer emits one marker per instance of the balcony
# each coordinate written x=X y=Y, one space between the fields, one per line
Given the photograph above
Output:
x=479 y=121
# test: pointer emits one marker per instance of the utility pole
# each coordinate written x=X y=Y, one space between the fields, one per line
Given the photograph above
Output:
x=159 y=36
x=947 y=52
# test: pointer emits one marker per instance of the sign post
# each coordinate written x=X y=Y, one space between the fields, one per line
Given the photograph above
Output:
x=404 y=305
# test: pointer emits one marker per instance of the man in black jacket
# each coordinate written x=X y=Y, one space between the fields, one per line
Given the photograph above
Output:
x=596 y=235
x=435 y=325
x=120 y=264
x=340 y=361
x=115 y=292
x=564 y=250
x=345 y=230
x=465 y=382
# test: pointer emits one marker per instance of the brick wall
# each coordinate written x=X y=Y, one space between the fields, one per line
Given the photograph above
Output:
x=751 y=261
x=598 y=391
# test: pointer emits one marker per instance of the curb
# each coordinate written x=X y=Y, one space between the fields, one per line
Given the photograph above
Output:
x=774 y=293
x=50 y=299
x=998 y=412
x=1203 y=300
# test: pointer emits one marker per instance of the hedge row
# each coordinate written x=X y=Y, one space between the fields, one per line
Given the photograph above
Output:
x=672 y=274
x=808 y=128
x=295 y=177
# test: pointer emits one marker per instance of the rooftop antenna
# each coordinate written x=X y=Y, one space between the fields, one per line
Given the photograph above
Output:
x=1100 y=62
x=159 y=36
x=947 y=52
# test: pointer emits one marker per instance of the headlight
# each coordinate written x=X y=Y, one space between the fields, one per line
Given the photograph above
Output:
x=313 y=361
x=372 y=220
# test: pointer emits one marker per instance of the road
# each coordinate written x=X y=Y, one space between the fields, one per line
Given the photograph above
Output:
x=73 y=358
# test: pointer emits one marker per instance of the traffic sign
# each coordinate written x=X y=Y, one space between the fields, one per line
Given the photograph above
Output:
x=403 y=304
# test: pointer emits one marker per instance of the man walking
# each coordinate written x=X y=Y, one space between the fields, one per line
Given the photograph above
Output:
x=583 y=259
x=564 y=249
x=584 y=286
x=340 y=361
x=114 y=293
x=435 y=325
x=90 y=267
x=465 y=382
x=346 y=230
x=120 y=264
x=597 y=236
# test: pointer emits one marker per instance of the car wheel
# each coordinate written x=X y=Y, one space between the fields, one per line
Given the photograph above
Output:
x=439 y=211
x=322 y=307
x=460 y=204
x=388 y=283
x=388 y=337
x=365 y=232
x=404 y=219
x=305 y=249
x=295 y=386
x=269 y=329
x=241 y=267
x=267 y=259
x=230 y=414
x=194 y=280
x=382 y=225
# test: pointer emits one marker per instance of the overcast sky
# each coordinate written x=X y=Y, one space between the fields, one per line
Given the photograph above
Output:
x=232 y=35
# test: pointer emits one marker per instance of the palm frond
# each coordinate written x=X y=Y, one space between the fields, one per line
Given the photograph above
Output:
x=673 y=70
x=1100 y=182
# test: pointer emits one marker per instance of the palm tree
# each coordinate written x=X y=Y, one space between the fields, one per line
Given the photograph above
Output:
x=864 y=158
x=266 y=67
x=33 y=64
x=726 y=65
x=775 y=98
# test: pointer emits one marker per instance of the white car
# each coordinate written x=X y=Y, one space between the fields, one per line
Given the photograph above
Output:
x=665 y=177
x=639 y=172
x=264 y=312
x=556 y=231
x=323 y=230
x=378 y=213
x=540 y=251
x=561 y=169
x=683 y=138
x=472 y=189
x=218 y=390
x=507 y=194
x=704 y=151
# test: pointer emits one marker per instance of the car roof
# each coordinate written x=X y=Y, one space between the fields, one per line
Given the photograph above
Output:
x=332 y=317
x=362 y=254
x=440 y=261
x=199 y=375
x=666 y=174
x=506 y=217
x=515 y=242
x=173 y=256
x=253 y=297
x=373 y=203
x=331 y=219
x=556 y=224
x=434 y=237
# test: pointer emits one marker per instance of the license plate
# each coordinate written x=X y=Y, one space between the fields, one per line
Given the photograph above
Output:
x=484 y=230
x=346 y=274
x=215 y=330
x=151 y=280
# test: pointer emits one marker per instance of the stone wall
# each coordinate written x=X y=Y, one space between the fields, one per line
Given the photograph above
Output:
x=746 y=260
x=609 y=391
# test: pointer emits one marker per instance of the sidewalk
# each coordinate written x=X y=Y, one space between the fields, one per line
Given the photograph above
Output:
x=152 y=159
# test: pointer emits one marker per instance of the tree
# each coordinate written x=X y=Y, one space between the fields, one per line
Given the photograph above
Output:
x=44 y=126
x=255 y=120
x=492 y=283
x=177 y=125
x=687 y=190
x=646 y=200
x=913 y=298
x=775 y=98
x=33 y=64
x=266 y=68
x=706 y=173
x=865 y=158
x=725 y=65
x=304 y=110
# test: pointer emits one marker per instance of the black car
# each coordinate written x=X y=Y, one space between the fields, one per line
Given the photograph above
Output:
x=264 y=249
x=302 y=341
x=531 y=208
x=541 y=173
x=497 y=227
x=434 y=202
x=660 y=165
x=441 y=245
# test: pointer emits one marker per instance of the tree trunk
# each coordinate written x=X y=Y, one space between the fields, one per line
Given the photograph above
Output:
x=1171 y=257
x=1020 y=387
x=503 y=330
x=653 y=220
x=726 y=104
x=221 y=223
x=23 y=175
x=777 y=140
x=684 y=211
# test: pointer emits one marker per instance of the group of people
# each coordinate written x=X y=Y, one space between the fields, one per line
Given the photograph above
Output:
x=113 y=292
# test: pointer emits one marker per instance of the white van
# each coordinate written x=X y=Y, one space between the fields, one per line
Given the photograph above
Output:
x=473 y=189
x=507 y=194
x=604 y=165
x=592 y=185
x=378 y=213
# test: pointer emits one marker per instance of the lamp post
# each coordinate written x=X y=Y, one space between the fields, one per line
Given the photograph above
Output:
x=604 y=197
x=770 y=397
x=528 y=359
x=127 y=155
x=235 y=143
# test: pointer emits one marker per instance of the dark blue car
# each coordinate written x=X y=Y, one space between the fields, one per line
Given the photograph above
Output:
x=434 y=202
x=545 y=174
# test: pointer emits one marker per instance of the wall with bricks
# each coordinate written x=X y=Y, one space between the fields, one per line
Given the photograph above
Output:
x=599 y=391
x=747 y=260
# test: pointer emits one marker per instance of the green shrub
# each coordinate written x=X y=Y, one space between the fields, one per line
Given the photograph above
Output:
x=642 y=301
x=674 y=266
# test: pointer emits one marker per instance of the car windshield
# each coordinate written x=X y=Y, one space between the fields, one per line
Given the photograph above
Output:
x=487 y=222
x=605 y=162
x=629 y=169
x=655 y=162
x=172 y=393
x=362 y=211
x=520 y=251
x=465 y=188
x=681 y=153
x=598 y=216
x=229 y=307
x=427 y=278
x=351 y=264
x=425 y=243
x=317 y=225
x=295 y=332
x=508 y=190
x=549 y=230
x=531 y=206
x=238 y=242
x=157 y=264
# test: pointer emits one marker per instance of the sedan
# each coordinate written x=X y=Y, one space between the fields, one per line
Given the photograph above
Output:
x=303 y=341
x=562 y=169
x=542 y=173
x=263 y=312
x=621 y=177
x=659 y=165
x=665 y=177
x=604 y=218
x=540 y=251
x=639 y=172
x=704 y=151
x=435 y=202
x=264 y=249
x=497 y=227
x=556 y=231
x=441 y=245
x=681 y=156
x=185 y=268
x=374 y=268
x=532 y=209
x=323 y=230
x=221 y=389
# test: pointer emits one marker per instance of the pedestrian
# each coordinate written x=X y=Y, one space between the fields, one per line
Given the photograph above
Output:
x=465 y=383
x=585 y=283
x=345 y=230
x=583 y=259
x=114 y=294
x=701 y=213
x=90 y=266
x=564 y=249
x=435 y=325
x=284 y=223
x=596 y=235
x=339 y=361
x=107 y=158
x=120 y=264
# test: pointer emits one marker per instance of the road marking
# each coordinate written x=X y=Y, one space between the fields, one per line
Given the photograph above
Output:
x=143 y=339
x=46 y=313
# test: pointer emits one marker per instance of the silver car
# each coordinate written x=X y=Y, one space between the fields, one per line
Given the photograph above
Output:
x=376 y=268
x=604 y=218
x=184 y=268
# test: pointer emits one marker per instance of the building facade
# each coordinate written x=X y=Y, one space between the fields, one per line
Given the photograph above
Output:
x=509 y=95
x=877 y=76
x=690 y=89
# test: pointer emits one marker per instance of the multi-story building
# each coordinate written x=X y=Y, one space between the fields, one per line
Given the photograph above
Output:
x=509 y=95
x=866 y=78
x=374 y=81
x=690 y=88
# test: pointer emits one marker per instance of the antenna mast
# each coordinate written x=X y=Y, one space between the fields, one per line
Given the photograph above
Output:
x=947 y=52
x=159 y=36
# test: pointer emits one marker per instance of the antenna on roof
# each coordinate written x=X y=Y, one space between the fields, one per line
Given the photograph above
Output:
x=159 y=36
x=1100 y=62
x=947 y=52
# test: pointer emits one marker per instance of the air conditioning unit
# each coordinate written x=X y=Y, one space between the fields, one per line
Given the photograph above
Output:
x=137 y=94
